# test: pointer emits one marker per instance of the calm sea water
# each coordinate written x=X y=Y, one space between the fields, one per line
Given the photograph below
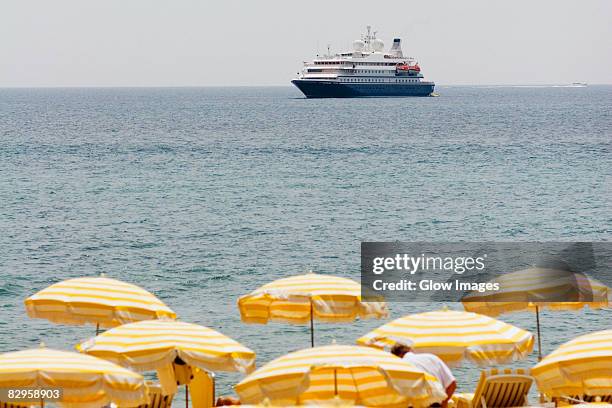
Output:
x=202 y=195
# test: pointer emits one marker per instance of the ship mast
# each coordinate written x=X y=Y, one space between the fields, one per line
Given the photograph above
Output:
x=368 y=38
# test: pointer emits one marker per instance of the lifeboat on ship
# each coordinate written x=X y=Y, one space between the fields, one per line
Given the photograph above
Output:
x=406 y=69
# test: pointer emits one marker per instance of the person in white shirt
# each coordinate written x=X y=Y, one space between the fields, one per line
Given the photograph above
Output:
x=431 y=364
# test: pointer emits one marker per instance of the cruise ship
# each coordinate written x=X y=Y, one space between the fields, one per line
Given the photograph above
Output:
x=366 y=71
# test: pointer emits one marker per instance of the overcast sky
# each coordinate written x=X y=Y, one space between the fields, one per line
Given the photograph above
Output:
x=232 y=42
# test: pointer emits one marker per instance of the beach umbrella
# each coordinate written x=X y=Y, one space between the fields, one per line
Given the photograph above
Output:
x=454 y=336
x=336 y=402
x=331 y=404
x=305 y=298
x=172 y=348
x=355 y=374
x=100 y=301
x=582 y=366
x=521 y=290
x=84 y=381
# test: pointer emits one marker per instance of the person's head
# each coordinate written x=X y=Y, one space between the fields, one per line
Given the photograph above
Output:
x=400 y=349
x=223 y=401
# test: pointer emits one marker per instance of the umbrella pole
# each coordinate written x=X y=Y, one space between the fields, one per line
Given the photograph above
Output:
x=311 y=325
x=542 y=398
x=186 y=396
x=97 y=328
x=539 y=336
x=335 y=383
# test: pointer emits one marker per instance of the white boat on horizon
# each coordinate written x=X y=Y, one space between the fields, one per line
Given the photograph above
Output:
x=366 y=71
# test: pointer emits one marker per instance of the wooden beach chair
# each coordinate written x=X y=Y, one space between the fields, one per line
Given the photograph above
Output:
x=12 y=405
x=202 y=389
x=580 y=399
x=201 y=392
x=157 y=399
x=598 y=398
x=497 y=389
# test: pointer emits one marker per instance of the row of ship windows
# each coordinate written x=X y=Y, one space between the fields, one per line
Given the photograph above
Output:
x=375 y=80
x=361 y=71
x=390 y=64
x=368 y=71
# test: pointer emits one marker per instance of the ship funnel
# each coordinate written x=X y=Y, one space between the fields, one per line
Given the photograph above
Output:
x=396 y=48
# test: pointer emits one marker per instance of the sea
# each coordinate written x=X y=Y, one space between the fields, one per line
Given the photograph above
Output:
x=201 y=195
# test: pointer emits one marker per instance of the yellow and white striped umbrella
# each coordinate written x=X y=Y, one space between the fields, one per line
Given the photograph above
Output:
x=455 y=335
x=305 y=298
x=155 y=344
x=332 y=404
x=535 y=287
x=323 y=405
x=519 y=289
x=96 y=300
x=355 y=374
x=582 y=366
x=84 y=381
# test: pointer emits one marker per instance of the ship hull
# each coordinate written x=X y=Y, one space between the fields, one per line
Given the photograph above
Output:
x=333 y=89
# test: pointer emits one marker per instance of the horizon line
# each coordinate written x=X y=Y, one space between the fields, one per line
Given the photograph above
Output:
x=274 y=86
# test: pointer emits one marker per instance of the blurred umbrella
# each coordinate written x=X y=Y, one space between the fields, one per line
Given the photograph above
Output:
x=84 y=381
x=326 y=405
x=305 y=298
x=537 y=288
x=100 y=301
x=337 y=403
x=172 y=348
x=354 y=374
x=454 y=336
x=582 y=366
